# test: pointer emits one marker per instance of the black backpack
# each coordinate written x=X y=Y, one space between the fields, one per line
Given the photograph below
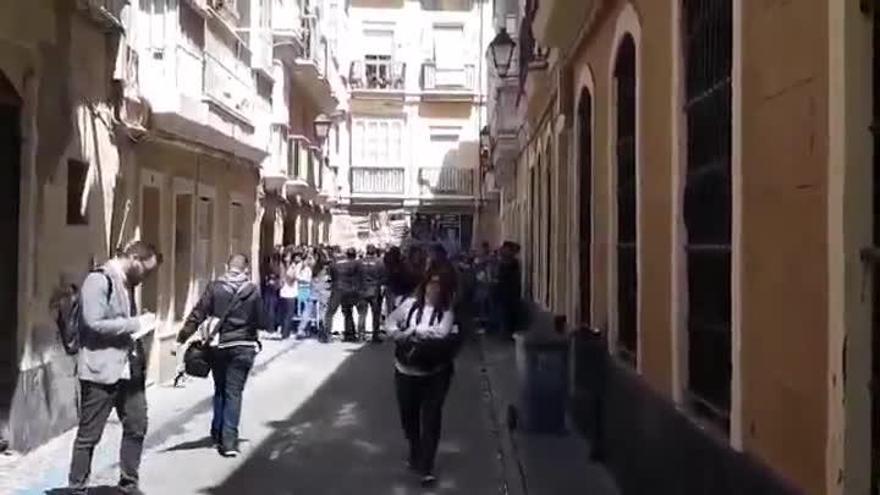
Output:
x=427 y=354
x=68 y=315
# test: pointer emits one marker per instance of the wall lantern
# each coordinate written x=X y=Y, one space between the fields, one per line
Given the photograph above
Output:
x=322 y=126
x=502 y=52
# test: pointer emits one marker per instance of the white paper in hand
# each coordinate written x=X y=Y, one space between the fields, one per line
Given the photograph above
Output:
x=147 y=323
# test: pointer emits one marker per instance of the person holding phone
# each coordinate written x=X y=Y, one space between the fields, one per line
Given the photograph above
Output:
x=112 y=363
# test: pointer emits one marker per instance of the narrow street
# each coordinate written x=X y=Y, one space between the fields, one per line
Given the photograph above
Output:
x=316 y=419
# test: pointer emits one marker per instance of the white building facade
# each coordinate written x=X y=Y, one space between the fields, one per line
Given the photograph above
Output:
x=417 y=107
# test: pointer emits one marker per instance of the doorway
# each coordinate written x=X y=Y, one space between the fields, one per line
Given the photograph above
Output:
x=10 y=177
x=151 y=197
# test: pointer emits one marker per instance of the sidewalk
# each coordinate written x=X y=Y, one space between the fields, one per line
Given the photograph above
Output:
x=537 y=464
x=47 y=466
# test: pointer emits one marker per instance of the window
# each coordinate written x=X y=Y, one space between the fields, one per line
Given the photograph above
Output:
x=627 y=235
x=377 y=143
x=378 y=51
x=585 y=143
x=447 y=4
x=449 y=46
x=548 y=225
x=444 y=143
x=77 y=177
x=708 y=40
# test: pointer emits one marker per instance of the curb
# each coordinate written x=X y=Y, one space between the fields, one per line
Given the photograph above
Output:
x=512 y=469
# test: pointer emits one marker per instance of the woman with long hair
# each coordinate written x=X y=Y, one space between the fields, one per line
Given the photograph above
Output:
x=426 y=339
x=289 y=291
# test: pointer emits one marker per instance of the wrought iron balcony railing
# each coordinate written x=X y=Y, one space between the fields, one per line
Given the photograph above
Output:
x=377 y=180
x=378 y=74
x=447 y=180
x=455 y=79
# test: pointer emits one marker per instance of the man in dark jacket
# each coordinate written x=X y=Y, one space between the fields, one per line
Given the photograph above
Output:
x=346 y=281
x=371 y=293
x=235 y=342
x=508 y=287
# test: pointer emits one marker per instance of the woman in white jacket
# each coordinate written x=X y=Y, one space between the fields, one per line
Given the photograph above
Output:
x=426 y=341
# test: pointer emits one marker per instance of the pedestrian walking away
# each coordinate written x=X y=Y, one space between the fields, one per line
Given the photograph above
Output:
x=371 y=293
x=426 y=342
x=111 y=363
x=347 y=279
x=228 y=315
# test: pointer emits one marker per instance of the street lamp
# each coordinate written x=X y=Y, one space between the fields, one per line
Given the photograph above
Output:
x=322 y=127
x=502 y=52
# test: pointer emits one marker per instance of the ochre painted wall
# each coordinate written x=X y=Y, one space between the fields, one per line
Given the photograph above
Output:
x=655 y=169
x=784 y=237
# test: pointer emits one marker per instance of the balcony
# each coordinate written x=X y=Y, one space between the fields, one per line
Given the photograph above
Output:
x=298 y=165
x=558 y=22
x=287 y=30
x=230 y=86
x=311 y=69
x=378 y=76
x=447 y=181
x=106 y=13
x=445 y=83
x=377 y=181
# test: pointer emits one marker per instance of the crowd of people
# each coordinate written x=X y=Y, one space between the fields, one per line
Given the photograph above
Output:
x=419 y=297
x=304 y=286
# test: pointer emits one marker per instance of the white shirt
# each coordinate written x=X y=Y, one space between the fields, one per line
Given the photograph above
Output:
x=290 y=289
x=427 y=327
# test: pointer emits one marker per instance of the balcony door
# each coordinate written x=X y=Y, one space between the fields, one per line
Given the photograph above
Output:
x=449 y=53
x=378 y=55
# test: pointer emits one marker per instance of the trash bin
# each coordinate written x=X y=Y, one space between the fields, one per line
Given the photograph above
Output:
x=542 y=357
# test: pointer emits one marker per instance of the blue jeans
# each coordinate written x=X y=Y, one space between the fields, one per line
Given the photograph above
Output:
x=230 y=368
x=304 y=311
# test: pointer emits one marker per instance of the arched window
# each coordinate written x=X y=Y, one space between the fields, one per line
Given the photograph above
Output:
x=585 y=202
x=627 y=231
x=708 y=38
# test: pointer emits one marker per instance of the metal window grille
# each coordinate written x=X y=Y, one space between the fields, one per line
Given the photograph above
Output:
x=627 y=236
x=585 y=114
x=548 y=219
x=707 y=204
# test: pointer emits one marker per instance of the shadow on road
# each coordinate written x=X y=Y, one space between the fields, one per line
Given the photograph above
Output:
x=346 y=439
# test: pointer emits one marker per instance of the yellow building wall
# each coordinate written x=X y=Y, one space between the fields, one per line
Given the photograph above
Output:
x=654 y=141
x=784 y=237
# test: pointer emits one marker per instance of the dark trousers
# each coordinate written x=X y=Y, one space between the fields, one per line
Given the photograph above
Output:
x=230 y=368
x=271 y=305
x=96 y=402
x=289 y=307
x=374 y=303
x=420 y=399
x=348 y=302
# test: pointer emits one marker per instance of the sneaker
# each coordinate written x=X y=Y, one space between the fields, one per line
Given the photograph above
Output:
x=128 y=489
x=231 y=453
x=429 y=480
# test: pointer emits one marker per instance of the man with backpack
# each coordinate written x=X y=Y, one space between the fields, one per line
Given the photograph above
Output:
x=234 y=303
x=102 y=327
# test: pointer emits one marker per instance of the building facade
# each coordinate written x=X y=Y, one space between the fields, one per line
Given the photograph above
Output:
x=185 y=123
x=308 y=61
x=694 y=183
x=416 y=110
